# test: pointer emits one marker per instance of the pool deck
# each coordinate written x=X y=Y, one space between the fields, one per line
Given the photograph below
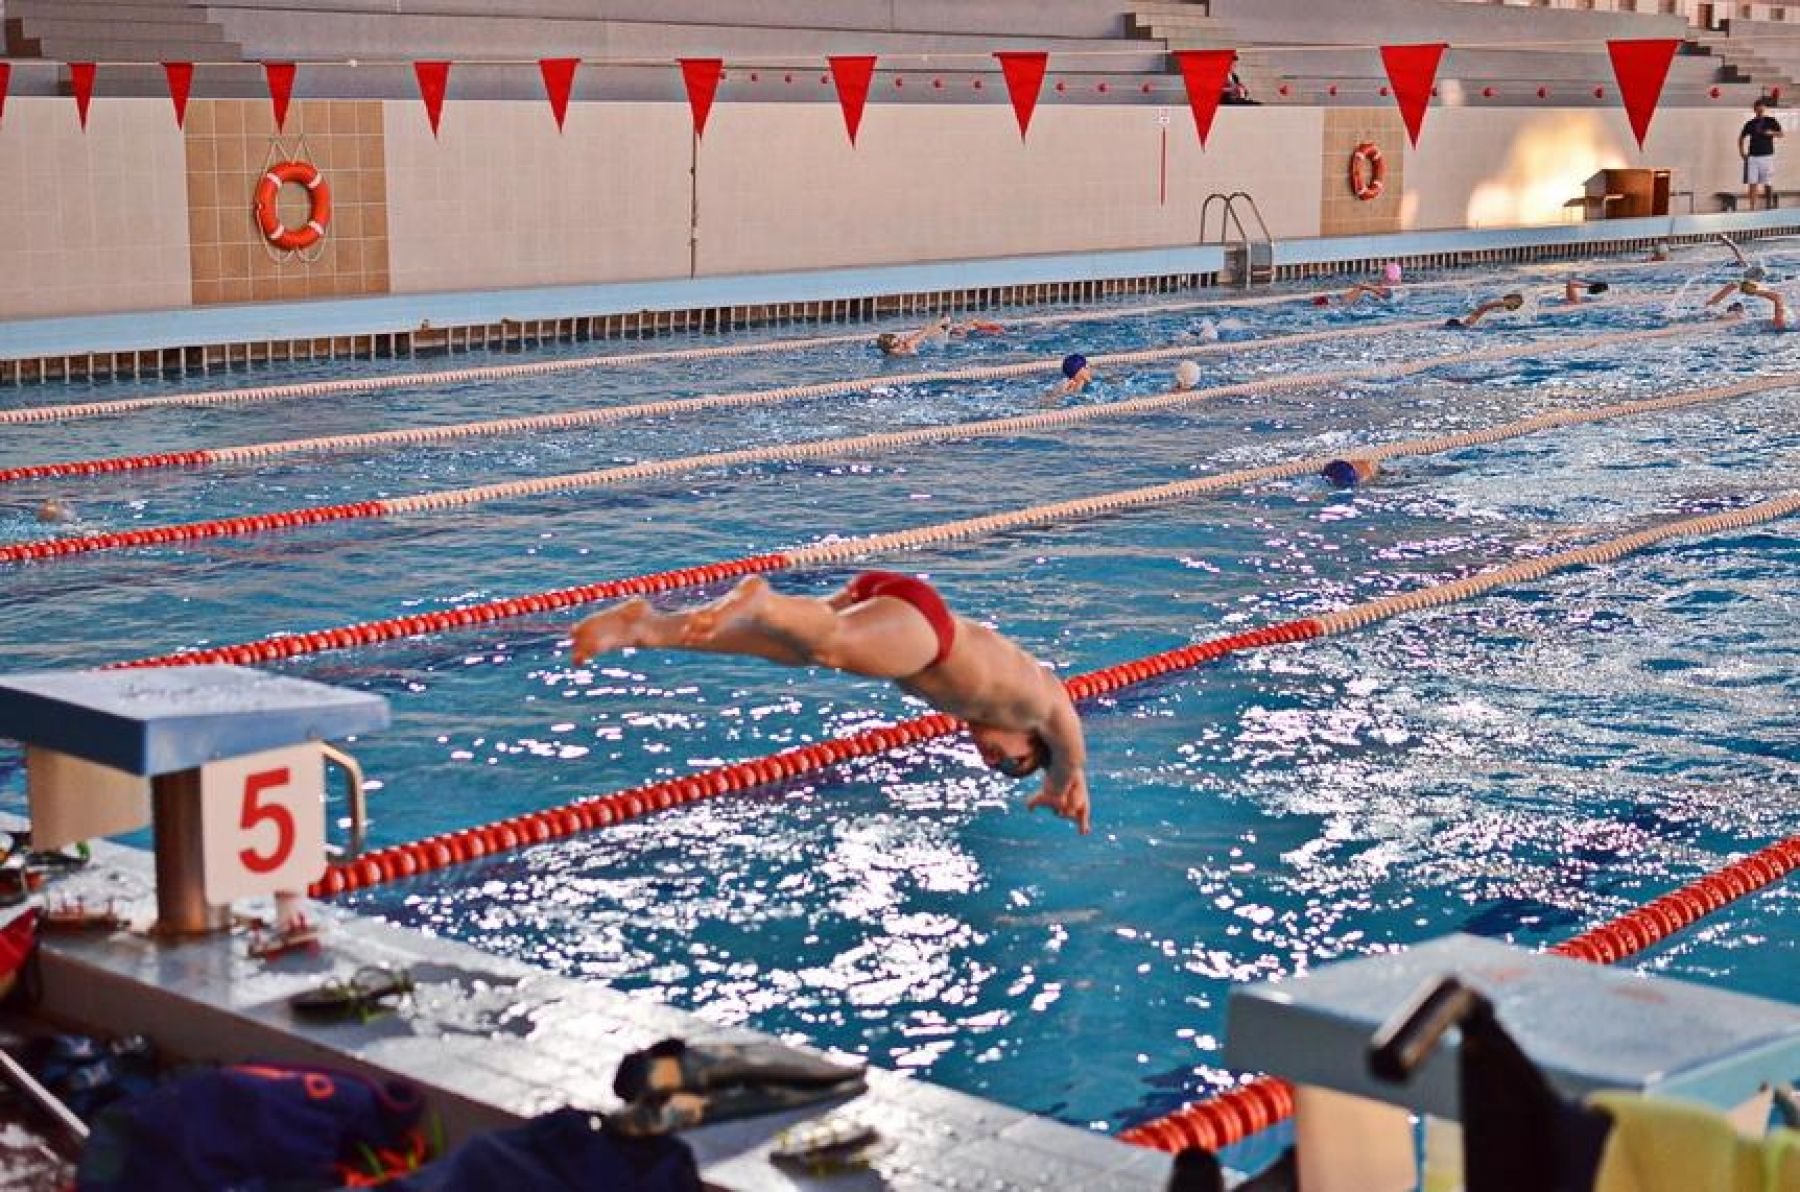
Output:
x=626 y=308
x=493 y=1041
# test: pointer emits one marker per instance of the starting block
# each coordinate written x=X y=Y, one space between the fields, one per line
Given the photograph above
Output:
x=225 y=762
x=1586 y=1027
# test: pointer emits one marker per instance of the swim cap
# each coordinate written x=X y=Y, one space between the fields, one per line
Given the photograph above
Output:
x=1392 y=273
x=1749 y=286
x=1321 y=300
x=1598 y=287
x=1341 y=473
x=1187 y=374
x=1073 y=363
x=1755 y=273
x=1454 y=323
x=1512 y=301
x=1736 y=308
x=887 y=341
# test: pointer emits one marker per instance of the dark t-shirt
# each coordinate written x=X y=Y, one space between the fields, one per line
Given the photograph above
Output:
x=1758 y=128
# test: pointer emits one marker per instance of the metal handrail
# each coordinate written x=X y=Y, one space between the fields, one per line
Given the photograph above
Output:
x=1229 y=217
x=359 y=797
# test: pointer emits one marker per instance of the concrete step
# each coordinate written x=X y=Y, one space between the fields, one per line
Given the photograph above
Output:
x=165 y=13
x=100 y=49
x=122 y=31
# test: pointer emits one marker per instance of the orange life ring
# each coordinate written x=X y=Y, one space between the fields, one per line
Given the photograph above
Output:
x=1367 y=171
x=317 y=219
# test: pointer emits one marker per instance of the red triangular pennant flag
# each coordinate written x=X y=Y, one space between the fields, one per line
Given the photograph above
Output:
x=1641 y=67
x=1205 y=72
x=702 y=77
x=559 y=80
x=5 y=79
x=1411 y=71
x=181 y=78
x=434 y=79
x=281 y=89
x=852 y=74
x=82 y=75
x=1024 y=71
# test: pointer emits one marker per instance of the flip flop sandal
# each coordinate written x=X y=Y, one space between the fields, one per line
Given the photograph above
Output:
x=362 y=997
x=674 y=1065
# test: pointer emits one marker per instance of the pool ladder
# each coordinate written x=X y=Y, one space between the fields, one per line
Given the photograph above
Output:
x=1250 y=260
x=359 y=801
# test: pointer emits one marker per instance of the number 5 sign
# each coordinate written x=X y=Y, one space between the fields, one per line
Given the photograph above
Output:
x=262 y=822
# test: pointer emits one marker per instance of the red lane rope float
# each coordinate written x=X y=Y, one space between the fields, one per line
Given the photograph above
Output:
x=937 y=533
x=318 y=216
x=812 y=449
x=1251 y=1108
x=405 y=860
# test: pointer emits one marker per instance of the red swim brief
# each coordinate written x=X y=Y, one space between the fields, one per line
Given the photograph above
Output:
x=869 y=584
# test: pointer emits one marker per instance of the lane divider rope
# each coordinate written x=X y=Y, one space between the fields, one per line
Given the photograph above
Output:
x=395 y=862
x=1251 y=1108
x=813 y=449
x=622 y=360
x=572 y=419
x=395 y=628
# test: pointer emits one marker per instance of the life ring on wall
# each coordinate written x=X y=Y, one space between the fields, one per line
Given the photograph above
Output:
x=1367 y=171
x=317 y=219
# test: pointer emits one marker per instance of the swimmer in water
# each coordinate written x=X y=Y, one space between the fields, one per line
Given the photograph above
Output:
x=1187 y=376
x=1076 y=375
x=1350 y=473
x=1575 y=287
x=1659 y=251
x=1506 y=302
x=1380 y=291
x=893 y=343
x=885 y=626
x=1754 y=289
x=975 y=327
x=56 y=512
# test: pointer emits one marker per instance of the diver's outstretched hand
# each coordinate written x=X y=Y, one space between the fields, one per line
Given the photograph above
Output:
x=1066 y=796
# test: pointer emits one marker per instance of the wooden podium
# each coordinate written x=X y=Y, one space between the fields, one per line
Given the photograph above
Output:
x=1626 y=194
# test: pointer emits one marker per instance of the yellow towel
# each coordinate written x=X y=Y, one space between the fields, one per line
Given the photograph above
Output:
x=1663 y=1145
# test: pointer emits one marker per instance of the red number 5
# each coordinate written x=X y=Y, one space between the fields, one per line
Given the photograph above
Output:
x=256 y=813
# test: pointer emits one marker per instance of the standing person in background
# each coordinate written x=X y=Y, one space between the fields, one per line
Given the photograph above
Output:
x=1756 y=145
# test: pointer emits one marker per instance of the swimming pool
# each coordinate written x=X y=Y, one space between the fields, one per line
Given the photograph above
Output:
x=1522 y=766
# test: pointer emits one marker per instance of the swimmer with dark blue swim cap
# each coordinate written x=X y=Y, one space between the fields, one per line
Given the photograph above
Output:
x=1575 y=287
x=1076 y=374
x=1350 y=473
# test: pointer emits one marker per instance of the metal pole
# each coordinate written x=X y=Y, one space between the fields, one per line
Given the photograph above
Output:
x=694 y=207
x=181 y=906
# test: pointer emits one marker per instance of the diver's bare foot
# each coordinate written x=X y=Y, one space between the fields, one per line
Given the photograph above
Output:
x=703 y=622
x=610 y=629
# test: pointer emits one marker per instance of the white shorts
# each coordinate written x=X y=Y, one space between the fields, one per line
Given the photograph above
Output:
x=1759 y=171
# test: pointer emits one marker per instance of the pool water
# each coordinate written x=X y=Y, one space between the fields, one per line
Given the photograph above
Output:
x=1521 y=766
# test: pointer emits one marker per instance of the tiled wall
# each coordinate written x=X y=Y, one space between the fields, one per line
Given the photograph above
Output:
x=229 y=143
x=501 y=199
x=91 y=222
x=1341 y=213
x=781 y=186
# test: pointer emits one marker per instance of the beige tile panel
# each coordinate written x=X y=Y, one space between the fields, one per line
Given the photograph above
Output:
x=230 y=261
x=94 y=221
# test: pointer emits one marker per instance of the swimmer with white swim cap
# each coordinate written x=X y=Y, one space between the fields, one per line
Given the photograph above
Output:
x=1187 y=375
x=883 y=625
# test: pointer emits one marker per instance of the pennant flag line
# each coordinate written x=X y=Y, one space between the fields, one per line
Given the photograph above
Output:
x=181 y=79
x=701 y=76
x=1641 y=67
x=1205 y=73
x=281 y=89
x=852 y=74
x=82 y=75
x=1024 y=71
x=559 y=80
x=434 y=80
x=1411 y=71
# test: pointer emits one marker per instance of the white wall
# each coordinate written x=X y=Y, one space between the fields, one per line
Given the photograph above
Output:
x=1499 y=166
x=502 y=200
x=96 y=221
